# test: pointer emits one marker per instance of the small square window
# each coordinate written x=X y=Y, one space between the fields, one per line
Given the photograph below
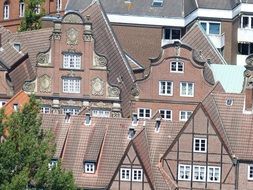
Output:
x=166 y=114
x=137 y=174
x=157 y=3
x=184 y=172
x=125 y=174
x=144 y=113
x=200 y=144
x=199 y=173
x=176 y=66
x=166 y=88
x=187 y=89
x=213 y=174
x=89 y=168
x=184 y=115
x=45 y=110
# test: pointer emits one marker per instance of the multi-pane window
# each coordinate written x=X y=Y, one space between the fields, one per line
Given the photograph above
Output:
x=125 y=174
x=71 y=85
x=250 y=172
x=184 y=115
x=89 y=168
x=213 y=174
x=45 y=109
x=137 y=175
x=211 y=27
x=184 y=172
x=58 y=5
x=72 y=111
x=172 y=34
x=6 y=10
x=199 y=173
x=37 y=9
x=165 y=88
x=144 y=113
x=176 y=66
x=166 y=114
x=100 y=113
x=200 y=144
x=245 y=48
x=187 y=89
x=247 y=22
x=72 y=61
x=21 y=8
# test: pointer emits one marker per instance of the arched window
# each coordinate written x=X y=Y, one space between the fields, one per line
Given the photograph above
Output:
x=6 y=10
x=21 y=8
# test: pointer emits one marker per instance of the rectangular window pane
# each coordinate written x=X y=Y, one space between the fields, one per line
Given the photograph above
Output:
x=214 y=28
x=245 y=22
x=203 y=24
x=167 y=34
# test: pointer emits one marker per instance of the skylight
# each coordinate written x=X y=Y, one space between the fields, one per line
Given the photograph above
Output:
x=157 y=3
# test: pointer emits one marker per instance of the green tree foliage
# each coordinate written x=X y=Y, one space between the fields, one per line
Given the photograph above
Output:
x=32 y=18
x=26 y=153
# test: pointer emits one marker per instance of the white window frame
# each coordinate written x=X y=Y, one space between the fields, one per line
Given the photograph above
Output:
x=187 y=94
x=45 y=109
x=171 y=37
x=144 y=113
x=166 y=86
x=165 y=114
x=249 y=19
x=186 y=168
x=187 y=115
x=71 y=85
x=21 y=9
x=71 y=110
x=2 y=103
x=6 y=13
x=89 y=168
x=100 y=113
x=198 y=150
x=52 y=164
x=123 y=176
x=58 y=5
x=213 y=174
x=208 y=26
x=72 y=61
x=139 y=177
x=249 y=176
x=198 y=168
x=177 y=67
x=37 y=9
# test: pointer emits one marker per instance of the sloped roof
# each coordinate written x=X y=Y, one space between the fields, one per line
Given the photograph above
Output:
x=230 y=76
x=198 y=40
x=148 y=144
x=218 y=4
x=8 y=54
x=35 y=41
x=106 y=44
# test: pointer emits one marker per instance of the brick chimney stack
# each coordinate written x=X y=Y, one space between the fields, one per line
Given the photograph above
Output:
x=248 y=88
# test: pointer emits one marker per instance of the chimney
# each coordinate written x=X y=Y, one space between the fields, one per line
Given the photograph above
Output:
x=135 y=119
x=67 y=117
x=131 y=133
x=157 y=124
x=87 y=119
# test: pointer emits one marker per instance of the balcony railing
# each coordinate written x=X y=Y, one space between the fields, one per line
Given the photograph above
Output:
x=245 y=35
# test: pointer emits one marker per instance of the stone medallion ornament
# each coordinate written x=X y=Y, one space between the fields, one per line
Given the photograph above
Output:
x=97 y=86
x=43 y=59
x=113 y=91
x=72 y=35
x=29 y=86
x=72 y=18
x=45 y=83
x=99 y=61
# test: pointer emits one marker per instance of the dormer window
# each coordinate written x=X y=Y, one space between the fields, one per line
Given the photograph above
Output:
x=157 y=3
x=176 y=66
x=89 y=167
x=15 y=107
x=72 y=61
x=17 y=46
x=6 y=10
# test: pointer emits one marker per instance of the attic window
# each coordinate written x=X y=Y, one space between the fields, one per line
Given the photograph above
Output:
x=17 y=46
x=157 y=3
x=15 y=107
x=229 y=102
x=89 y=168
x=131 y=133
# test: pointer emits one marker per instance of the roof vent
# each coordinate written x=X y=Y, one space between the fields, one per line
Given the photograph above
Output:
x=157 y=124
x=131 y=133
x=157 y=3
x=67 y=117
x=87 y=119
x=229 y=102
